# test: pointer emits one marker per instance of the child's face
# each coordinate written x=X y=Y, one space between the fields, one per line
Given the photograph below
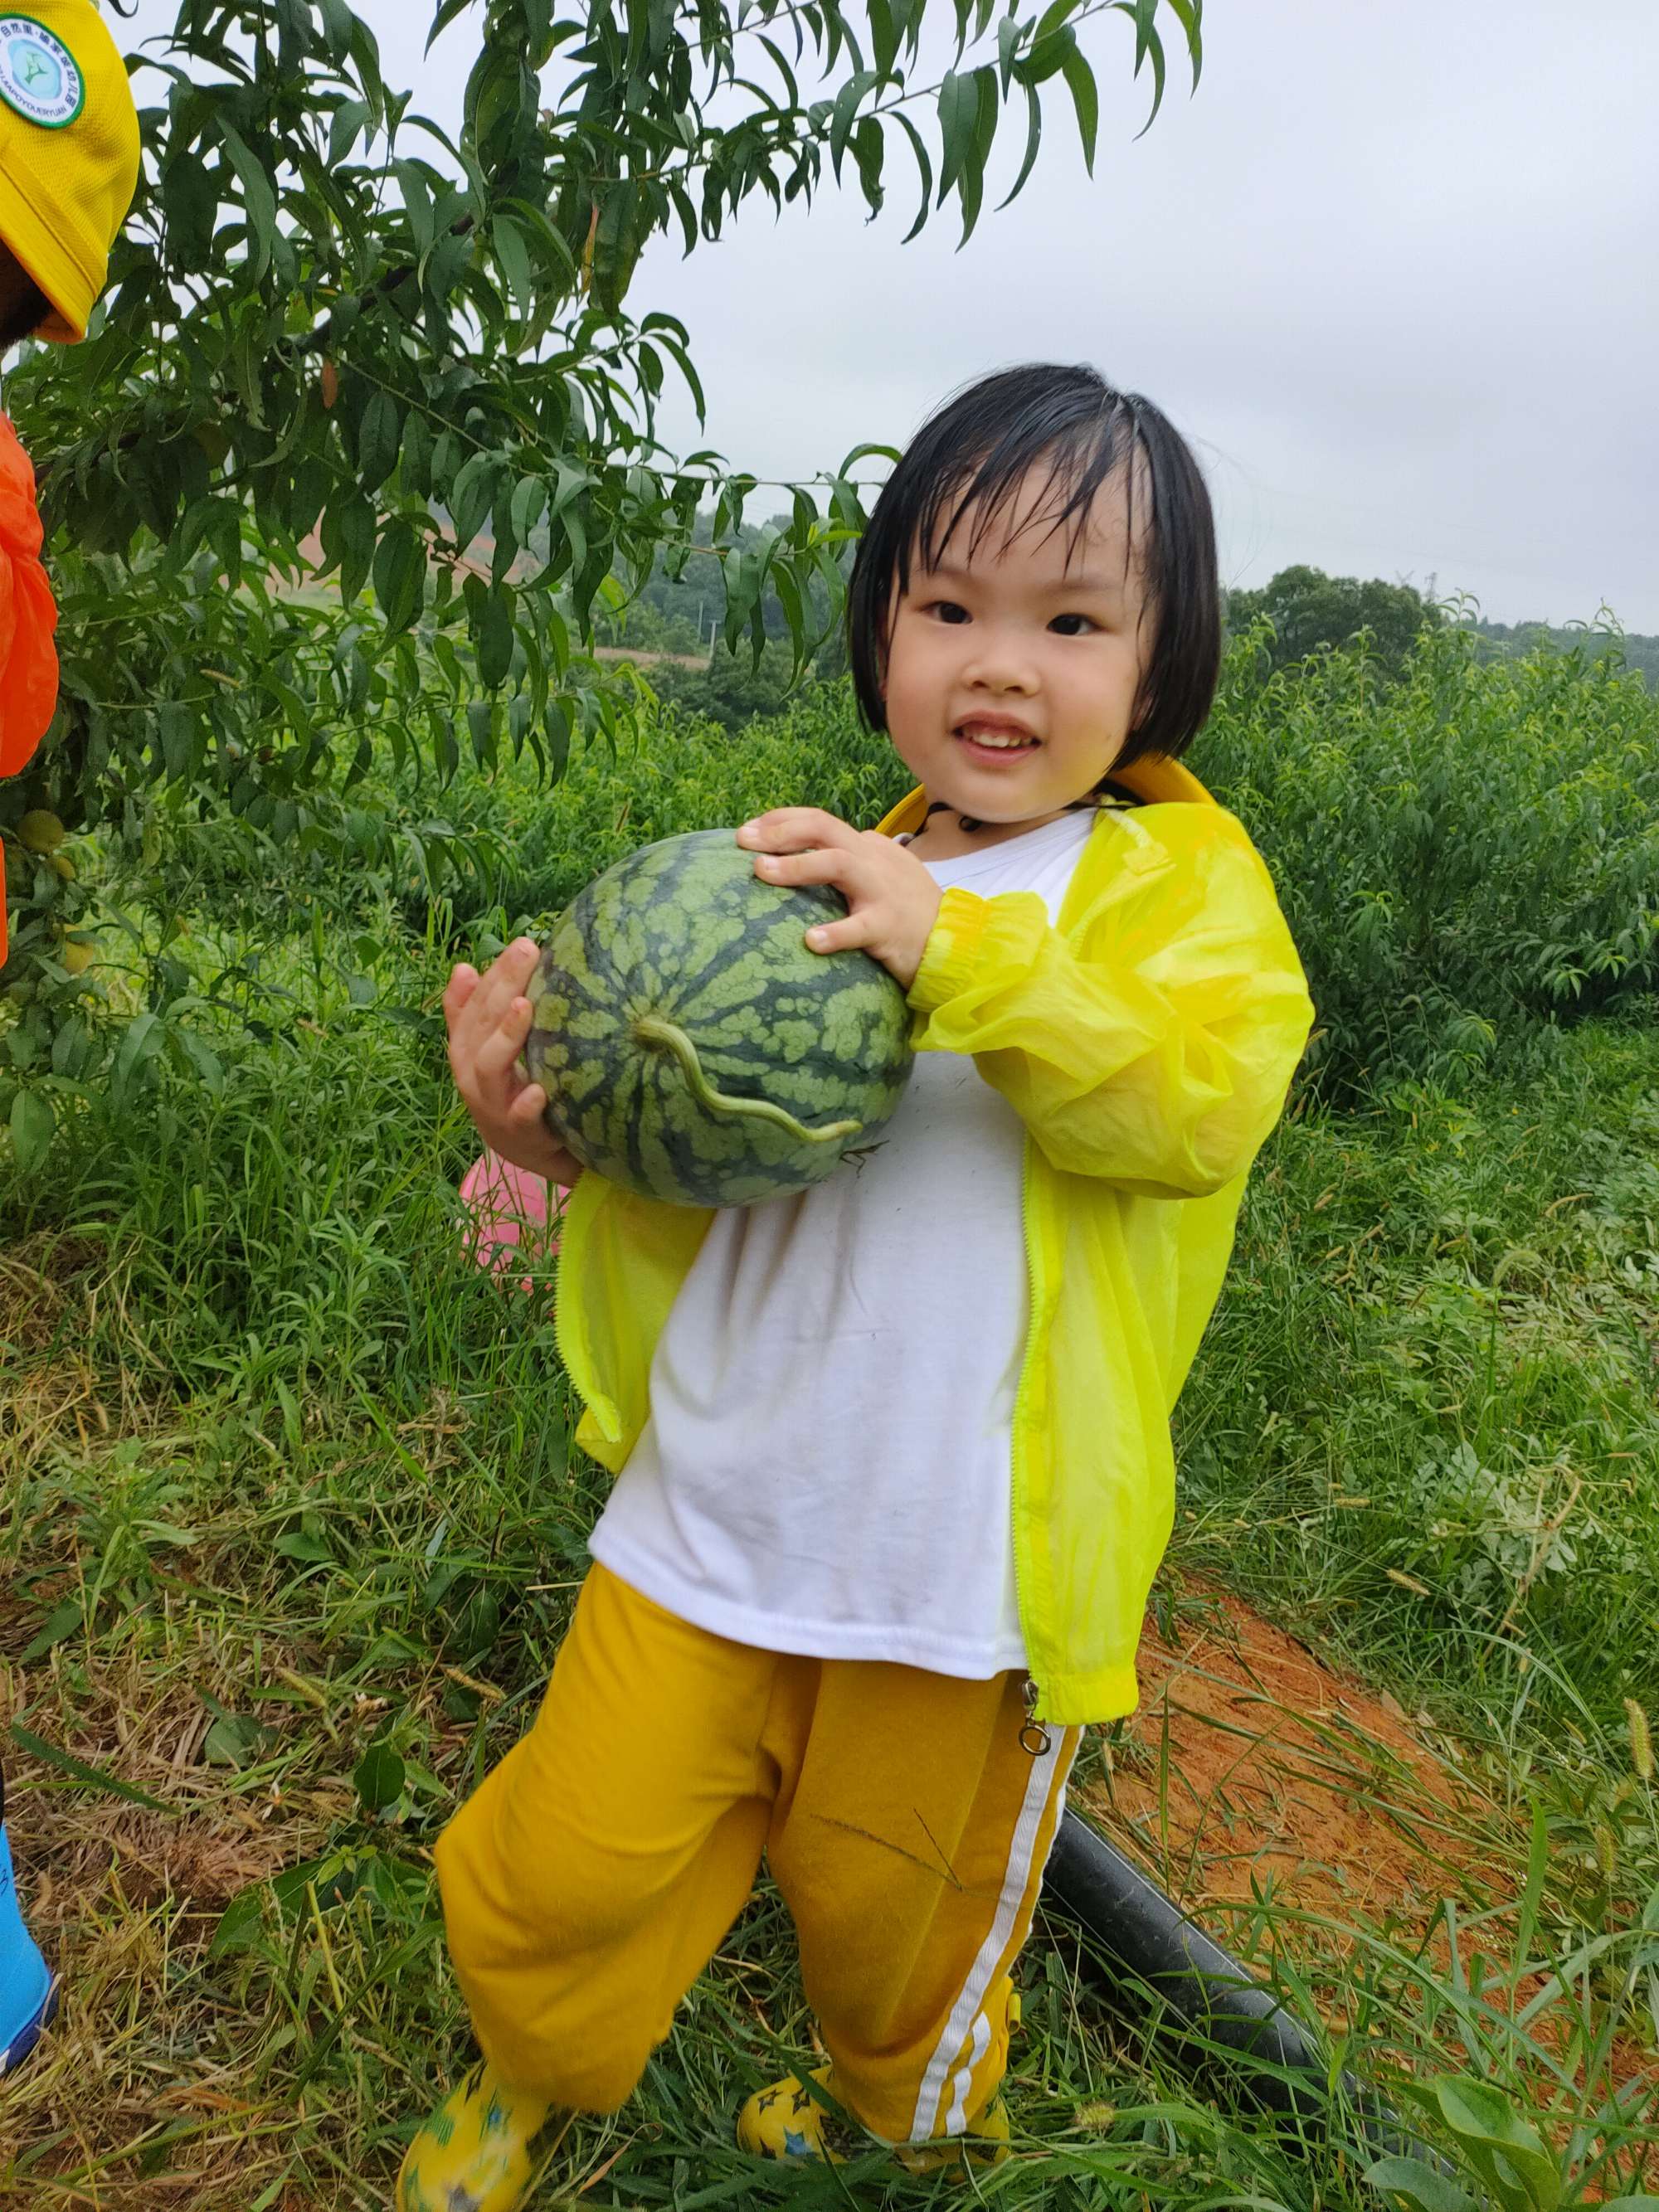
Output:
x=1012 y=672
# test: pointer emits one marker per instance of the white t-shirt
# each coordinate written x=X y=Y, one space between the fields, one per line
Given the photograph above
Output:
x=826 y=1466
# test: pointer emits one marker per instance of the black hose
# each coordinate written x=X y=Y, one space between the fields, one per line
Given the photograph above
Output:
x=1142 y=1950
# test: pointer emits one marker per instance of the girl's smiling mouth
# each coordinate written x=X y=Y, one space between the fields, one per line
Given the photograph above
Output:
x=995 y=737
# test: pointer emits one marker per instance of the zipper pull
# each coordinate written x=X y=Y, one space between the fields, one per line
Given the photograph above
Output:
x=1034 y=1739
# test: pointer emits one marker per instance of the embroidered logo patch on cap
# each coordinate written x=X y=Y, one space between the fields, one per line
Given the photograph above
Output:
x=39 y=78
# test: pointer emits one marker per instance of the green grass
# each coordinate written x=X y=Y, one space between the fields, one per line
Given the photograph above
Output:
x=290 y=1526
x=1439 y=1360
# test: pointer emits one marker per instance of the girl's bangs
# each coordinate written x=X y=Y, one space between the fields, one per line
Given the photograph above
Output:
x=1081 y=460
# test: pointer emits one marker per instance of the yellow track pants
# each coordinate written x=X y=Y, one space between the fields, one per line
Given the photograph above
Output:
x=595 y=1872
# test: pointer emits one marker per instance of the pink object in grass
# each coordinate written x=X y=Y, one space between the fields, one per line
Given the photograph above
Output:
x=509 y=1206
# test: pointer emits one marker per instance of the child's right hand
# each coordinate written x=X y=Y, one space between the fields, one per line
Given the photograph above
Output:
x=489 y=1019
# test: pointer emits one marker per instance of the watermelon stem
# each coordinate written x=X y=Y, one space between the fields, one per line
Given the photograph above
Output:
x=664 y=1037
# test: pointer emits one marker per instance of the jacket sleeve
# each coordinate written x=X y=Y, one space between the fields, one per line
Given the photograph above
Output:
x=1159 y=1058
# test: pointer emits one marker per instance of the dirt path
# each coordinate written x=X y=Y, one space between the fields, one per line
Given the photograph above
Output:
x=1254 y=1770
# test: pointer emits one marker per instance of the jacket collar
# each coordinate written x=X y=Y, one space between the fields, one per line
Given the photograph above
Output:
x=1152 y=778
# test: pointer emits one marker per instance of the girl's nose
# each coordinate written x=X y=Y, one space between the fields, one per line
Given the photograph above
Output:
x=1000 y=663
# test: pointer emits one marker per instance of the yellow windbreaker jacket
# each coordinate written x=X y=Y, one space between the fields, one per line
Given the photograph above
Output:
x=1147 y=1043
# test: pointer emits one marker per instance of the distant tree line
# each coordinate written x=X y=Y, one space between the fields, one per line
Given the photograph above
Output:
x=680 y=614
x=1641 y=654
x=1310 y=612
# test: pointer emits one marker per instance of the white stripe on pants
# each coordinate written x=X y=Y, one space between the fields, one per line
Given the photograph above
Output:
x=1048 y=1776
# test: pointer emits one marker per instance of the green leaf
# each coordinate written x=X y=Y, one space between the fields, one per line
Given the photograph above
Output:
x=416 y=186
x=1148 y=47
x=1033 y=140
x=400 y=573
x=195 y=1053
x=310 y=1551
x=89 y=1778
x=259 y=198
x=870 y=149
x=496 y=639
x=481 y=729
x=241 y=1922
x=235 y=1740
x=788 y=593
x=618 y=240
x=958 y=113
x=1499 y=2142
x=1085 y=98
x=674 y=347
x=34 y=1125
x=378 y=438
x=350 y=117
x=247 y=364
x=1419 y=2184
x=513 y=256
x=973 y=164
x=529 y=505
x=354 y=529
x=338 y=24
x=379 y=1778
x=176 y=729
x=845 y=113
x=926 y=169
x=142 y=1040
x=415 y=473
x=447 y=11
x=1190 y=15
x=189 y=204
x=64 y=1621
x=473 y=496
x=335 y=1879
x=1047 y=54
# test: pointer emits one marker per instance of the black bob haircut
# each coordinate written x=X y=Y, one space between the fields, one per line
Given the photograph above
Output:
x=23 y=315
x=974 y=453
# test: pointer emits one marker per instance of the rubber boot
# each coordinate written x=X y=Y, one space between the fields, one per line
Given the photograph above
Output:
x=483 y=2151
x=28 y=1990
x=786 y=2121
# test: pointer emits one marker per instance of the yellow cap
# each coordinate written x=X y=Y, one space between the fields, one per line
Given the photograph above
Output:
x=68 y=152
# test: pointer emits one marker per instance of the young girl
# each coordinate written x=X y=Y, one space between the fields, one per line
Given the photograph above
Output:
x=893 y=1456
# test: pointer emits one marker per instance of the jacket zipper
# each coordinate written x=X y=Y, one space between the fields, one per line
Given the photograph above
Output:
x=1016 y=1504
x=1034 y=1738
x=1018 y=1514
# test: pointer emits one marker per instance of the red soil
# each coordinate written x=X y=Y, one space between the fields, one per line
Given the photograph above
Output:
x=1254 y=1769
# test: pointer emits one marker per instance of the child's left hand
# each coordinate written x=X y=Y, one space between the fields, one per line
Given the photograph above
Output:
x=892 y=901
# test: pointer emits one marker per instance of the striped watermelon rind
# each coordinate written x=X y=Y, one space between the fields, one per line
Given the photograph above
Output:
x=692 y=1048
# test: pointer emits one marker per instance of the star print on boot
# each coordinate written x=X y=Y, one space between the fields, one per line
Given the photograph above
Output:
x=484 y=2149
x=787 y=2122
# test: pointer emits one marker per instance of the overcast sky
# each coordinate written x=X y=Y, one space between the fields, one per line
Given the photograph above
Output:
x=1392 y=268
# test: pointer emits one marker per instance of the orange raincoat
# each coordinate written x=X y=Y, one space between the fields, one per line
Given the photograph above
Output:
x=28 y=618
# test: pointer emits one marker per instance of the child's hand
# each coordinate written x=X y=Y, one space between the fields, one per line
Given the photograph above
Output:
x=489 y=1019
x=892 y=901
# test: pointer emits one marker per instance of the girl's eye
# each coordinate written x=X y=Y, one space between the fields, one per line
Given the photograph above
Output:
x=947 y=610
x=1073 y=625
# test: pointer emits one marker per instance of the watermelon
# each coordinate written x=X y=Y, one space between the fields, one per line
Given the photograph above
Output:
x=692 y=1048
